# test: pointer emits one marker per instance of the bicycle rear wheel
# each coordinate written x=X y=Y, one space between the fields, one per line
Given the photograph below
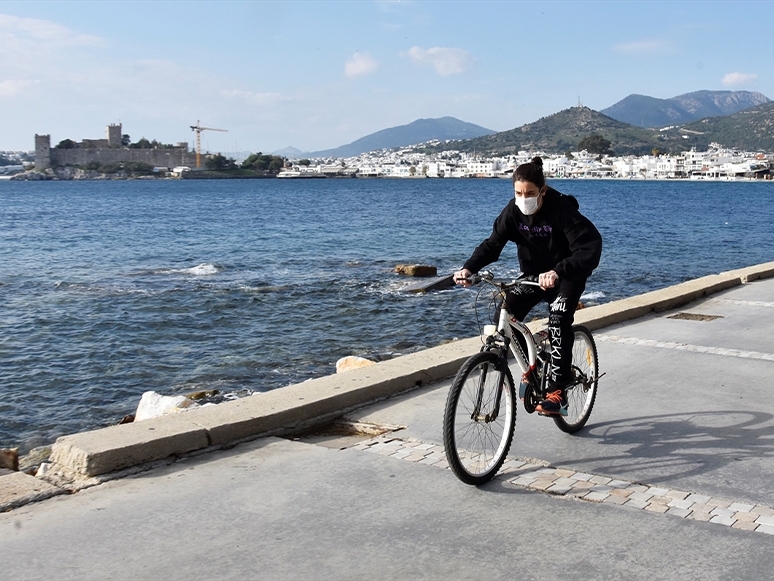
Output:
x=582 y=390
x=477 y=430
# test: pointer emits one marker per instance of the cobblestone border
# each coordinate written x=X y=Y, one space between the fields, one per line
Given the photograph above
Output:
x=594 y=488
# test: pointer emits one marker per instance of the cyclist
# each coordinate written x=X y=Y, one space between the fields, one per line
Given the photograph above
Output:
x=558 y=247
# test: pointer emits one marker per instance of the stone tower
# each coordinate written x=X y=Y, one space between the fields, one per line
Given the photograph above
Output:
x=42 y=151
x=114 y=135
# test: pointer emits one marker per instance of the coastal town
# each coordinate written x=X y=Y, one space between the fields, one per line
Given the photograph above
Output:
x=410 y=162
x=717 y=163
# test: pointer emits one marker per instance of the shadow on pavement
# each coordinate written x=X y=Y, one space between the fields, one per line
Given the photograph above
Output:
x=680 y=444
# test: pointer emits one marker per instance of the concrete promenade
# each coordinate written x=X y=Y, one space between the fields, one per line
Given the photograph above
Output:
x=671 y=478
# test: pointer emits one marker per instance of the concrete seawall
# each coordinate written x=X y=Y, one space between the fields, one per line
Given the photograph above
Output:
x=88 y=458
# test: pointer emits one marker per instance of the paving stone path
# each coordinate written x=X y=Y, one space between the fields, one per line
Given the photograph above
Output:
x=594 y=488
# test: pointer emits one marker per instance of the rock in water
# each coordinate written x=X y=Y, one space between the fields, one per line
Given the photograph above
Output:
x=9 y=458
x=204 y=394
x=34 y=458
x=416 y=270
x=153 y=405
x=352 y=362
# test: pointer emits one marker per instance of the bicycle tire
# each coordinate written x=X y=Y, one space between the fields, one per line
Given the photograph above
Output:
x=583 y=389
x=476 y=447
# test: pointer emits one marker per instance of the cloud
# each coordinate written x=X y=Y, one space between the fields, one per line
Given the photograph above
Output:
x=360 y=64
x=13 y=87
x=735 y=79
x=13 y=28
x=252 y=97
x=645 y=47
x=40 y=47
x=446 y=61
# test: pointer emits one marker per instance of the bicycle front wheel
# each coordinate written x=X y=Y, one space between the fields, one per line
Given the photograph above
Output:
x=582 y=390
x=479 y=418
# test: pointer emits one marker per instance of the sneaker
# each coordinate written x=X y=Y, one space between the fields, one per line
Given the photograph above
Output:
x=554 y=404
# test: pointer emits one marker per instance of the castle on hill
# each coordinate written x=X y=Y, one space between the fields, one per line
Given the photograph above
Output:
x=109 y=150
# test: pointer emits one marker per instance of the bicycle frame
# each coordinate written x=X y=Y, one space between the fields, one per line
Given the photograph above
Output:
x=504 y=340
x=505 y=327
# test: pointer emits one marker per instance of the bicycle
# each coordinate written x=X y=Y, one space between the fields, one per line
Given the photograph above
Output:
x=480 y=413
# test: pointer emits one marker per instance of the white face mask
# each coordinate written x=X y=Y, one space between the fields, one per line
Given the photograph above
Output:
x=528 y=206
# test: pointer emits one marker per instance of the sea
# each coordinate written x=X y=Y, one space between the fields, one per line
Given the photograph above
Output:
x=109 y=289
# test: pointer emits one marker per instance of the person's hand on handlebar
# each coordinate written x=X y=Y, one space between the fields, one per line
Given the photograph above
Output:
x=462 y=277
x=548 y=279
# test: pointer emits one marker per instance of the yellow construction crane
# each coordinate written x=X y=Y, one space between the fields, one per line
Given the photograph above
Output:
x=198 y=129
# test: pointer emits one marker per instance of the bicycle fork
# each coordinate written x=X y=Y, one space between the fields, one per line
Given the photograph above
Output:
x=477 y=416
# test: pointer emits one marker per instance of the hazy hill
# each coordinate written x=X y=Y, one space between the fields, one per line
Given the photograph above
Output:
x=289 y=152
x=419 y=131
x=644 y=111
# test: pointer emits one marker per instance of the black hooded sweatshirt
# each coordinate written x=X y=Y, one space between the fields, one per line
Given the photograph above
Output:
x=557 y=237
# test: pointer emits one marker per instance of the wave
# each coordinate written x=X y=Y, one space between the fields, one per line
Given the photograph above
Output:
x=593 y=296
x=203 y=269
x=263 y=289
x=105 y=289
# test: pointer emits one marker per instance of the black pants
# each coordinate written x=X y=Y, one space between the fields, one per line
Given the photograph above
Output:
x=563 y=301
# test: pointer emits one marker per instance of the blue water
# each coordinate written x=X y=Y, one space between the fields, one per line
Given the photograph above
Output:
x=110 y=289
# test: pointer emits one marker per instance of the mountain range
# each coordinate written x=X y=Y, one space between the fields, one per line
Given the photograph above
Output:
x=739 y=119
x=418 y=131
x=751 y=130
x=644 y=111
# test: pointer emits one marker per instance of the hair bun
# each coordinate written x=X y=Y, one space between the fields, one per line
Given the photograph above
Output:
x=538 y=161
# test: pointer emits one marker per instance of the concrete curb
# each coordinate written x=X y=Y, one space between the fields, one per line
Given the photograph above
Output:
x=18 y=489
x=101 y=452
x=294 y=407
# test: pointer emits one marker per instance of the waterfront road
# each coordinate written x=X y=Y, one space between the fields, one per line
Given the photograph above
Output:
x=671 y=479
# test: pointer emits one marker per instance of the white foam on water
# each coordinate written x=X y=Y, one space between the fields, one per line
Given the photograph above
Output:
x=592 y=296
x=203 y=269
x=262 y=289
x=103 y=289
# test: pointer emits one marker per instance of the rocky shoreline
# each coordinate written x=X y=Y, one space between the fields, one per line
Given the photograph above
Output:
x=74 y=173
x=70 y=173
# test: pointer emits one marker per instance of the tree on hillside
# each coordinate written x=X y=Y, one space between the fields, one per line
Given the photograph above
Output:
x=304 y=162
x=261 y=162
x=141 y=144
x=125 y=140
x=219 y=161
x=595 y=144
x=66 y=144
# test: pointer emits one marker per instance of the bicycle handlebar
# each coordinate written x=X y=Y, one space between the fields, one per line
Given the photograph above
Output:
x=486 y=276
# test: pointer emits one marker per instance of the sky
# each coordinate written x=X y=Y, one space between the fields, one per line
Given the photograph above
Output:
x=319 y=74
